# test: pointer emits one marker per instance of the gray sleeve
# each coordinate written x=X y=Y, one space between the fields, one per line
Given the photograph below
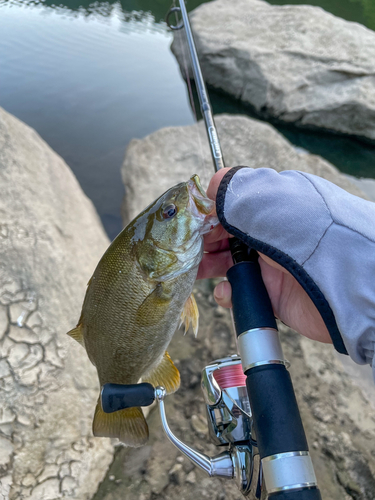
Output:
x=320 y=233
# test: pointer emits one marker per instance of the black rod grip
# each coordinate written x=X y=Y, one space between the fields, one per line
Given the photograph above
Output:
x=118 y=397
x=277 y=421
x=251 y=304
x=300 y=494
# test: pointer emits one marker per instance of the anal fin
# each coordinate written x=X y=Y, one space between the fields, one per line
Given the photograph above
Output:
x=190 y=314
x=77 y=334
x=165 y=374
x=128 y=425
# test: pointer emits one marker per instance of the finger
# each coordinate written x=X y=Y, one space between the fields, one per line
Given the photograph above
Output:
x=217 y=246
x=217 y=234
x=272 y=263
x=215 y=265
x=215 y=182
x=223 y=294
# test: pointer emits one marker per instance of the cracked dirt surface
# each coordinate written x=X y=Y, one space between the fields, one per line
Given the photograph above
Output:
x=48 y=387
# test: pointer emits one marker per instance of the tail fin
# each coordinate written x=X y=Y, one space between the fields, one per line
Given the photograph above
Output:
x=128 y=425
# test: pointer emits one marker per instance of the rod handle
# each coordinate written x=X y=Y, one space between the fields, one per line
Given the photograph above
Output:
x=251 y=304
x=299 y=494
x=279 y=431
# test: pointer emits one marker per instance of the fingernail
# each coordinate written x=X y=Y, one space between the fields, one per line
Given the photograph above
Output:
x=218 y=292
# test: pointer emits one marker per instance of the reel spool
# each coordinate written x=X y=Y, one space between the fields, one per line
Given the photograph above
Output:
x=230 y=422
x=227 y=402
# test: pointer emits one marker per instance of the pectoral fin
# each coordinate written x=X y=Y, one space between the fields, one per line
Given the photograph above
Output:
x=190 y=314
x=165 y=374
x=154 y=307
x=128 y=425
x=77 y=334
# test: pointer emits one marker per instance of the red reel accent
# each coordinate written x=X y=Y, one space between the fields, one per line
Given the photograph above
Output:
x=230 y=376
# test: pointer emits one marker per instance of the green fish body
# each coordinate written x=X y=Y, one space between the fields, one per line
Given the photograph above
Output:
x=140 y=290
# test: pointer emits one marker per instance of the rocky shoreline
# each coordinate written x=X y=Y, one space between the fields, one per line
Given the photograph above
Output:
x=61 y=385
x=294 y=63
x=50 y=240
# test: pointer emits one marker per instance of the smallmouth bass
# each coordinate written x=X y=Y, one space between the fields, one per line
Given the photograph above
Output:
x=140 y=290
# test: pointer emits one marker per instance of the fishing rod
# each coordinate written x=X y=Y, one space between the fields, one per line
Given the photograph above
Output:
x=281 y=440
x=250 y=401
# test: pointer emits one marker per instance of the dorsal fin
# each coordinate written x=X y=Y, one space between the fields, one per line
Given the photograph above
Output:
x=77 y=334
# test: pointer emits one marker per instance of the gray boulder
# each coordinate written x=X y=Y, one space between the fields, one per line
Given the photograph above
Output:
x=50 y=241
x=295 y=63
x=367 y=186
x=337 y=410
x=171 y=155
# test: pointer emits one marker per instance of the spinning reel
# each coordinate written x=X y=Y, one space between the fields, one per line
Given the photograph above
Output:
x=229 y=420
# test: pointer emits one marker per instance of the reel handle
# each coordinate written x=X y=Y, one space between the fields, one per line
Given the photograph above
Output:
x=117 y=397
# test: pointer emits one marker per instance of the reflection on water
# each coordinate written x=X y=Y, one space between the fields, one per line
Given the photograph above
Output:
x=361 y=11
x=89 y=86
x=368 y=9
x=133 y=10
x=91 y=76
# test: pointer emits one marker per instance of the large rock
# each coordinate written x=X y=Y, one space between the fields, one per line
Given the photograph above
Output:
x=294 y=63
x=170 y=155
x=337 y=413
x=50 y=241
x=367 y=186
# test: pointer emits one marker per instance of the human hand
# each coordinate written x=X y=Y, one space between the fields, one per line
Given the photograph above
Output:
x=291 y=304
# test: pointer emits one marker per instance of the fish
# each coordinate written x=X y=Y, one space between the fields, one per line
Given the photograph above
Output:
x=139 y=294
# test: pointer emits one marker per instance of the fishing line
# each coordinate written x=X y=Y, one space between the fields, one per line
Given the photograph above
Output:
x=183 y=51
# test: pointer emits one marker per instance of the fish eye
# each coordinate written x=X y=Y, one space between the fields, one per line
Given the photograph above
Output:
x=169 y=211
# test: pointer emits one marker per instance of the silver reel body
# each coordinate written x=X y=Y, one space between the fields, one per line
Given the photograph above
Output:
x=229 y=424
x=228 y=408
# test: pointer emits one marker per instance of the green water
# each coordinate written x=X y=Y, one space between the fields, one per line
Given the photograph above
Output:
x=91 y=76
x=349 y=155
x=360 y=11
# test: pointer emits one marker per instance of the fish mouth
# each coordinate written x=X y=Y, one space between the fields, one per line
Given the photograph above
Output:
x=202 y=207
x=204 y=204
x=197 y=182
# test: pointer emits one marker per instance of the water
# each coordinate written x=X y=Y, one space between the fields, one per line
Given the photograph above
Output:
x=89 y=77
x=360 y=11
x=351 y=156
x=89 y=83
